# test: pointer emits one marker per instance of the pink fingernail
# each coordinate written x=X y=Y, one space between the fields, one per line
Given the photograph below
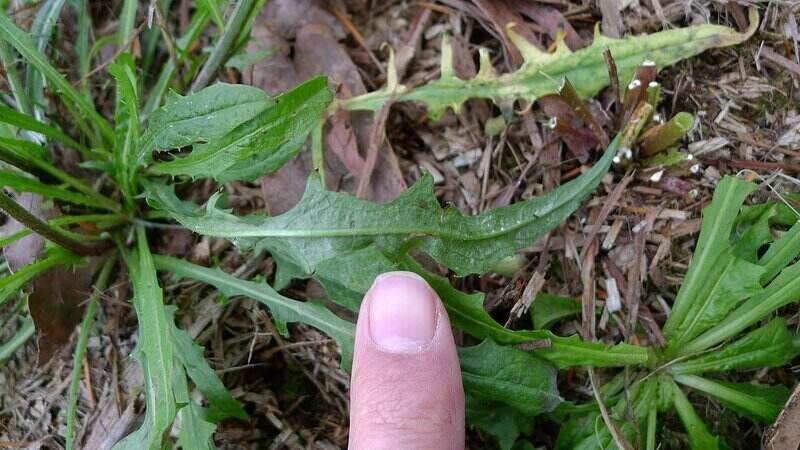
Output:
x=402 y=312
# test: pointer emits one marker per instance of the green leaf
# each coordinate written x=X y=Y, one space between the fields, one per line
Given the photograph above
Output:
x=548 y=309
x=586 y=429
x=154 y=351
x=781 y=253
x=21 y=41
x=506 y=388
x=202 y=117
x=10 y=285
x=466 y=313
x=262 y=144
x=783 y=290
x=284 y=309
x=22 y=183
x=759 y=402
x=753 y=237
x=196 y=432
x=730 y=281
x=127 y=123
x=190 y=355
x=768 y=346
x=325 y=225
x=541 y=74
x=705 y=269
x=503 y=423
x=512 y=377
x=699 y=436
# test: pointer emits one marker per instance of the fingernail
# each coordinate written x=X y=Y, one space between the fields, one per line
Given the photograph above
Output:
x=402 y=312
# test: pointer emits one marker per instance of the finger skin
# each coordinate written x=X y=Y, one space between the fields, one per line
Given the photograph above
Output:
x=405 y=398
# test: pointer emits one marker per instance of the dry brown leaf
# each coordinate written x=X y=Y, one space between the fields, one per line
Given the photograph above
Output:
x=785 y=434
x=57 y=303
x=500 y=14
x=553 y=21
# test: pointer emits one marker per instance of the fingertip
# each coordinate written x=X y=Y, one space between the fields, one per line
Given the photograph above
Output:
x=406 y=389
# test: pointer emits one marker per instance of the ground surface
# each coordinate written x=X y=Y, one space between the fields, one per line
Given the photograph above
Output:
x=745 y=98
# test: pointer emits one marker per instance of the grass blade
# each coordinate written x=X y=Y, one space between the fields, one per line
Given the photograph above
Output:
x=183 y=43
x=21 y=183
x=28 y=122
x=22 y=42
x=127 y=23
x=41 y=32
x=768 y=346
x=15 y=85
x=780 y=253
x=82 y=43
x=25 y=332
x=213 y=9
x=222 y=49
x=30 y=155
x=80 y=351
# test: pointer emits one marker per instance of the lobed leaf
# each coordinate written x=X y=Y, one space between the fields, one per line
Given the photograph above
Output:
x=325 y=224
x=260 y=145
x=284 y=309
x=542 y=72
x=196 y=433
x=126 y=117
x=202 y=117
x=190 y=355
x=466 y=312
x=154 y=352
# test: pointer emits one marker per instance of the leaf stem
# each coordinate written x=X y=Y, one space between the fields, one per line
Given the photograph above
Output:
x=317 y=152
x=51 y=234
